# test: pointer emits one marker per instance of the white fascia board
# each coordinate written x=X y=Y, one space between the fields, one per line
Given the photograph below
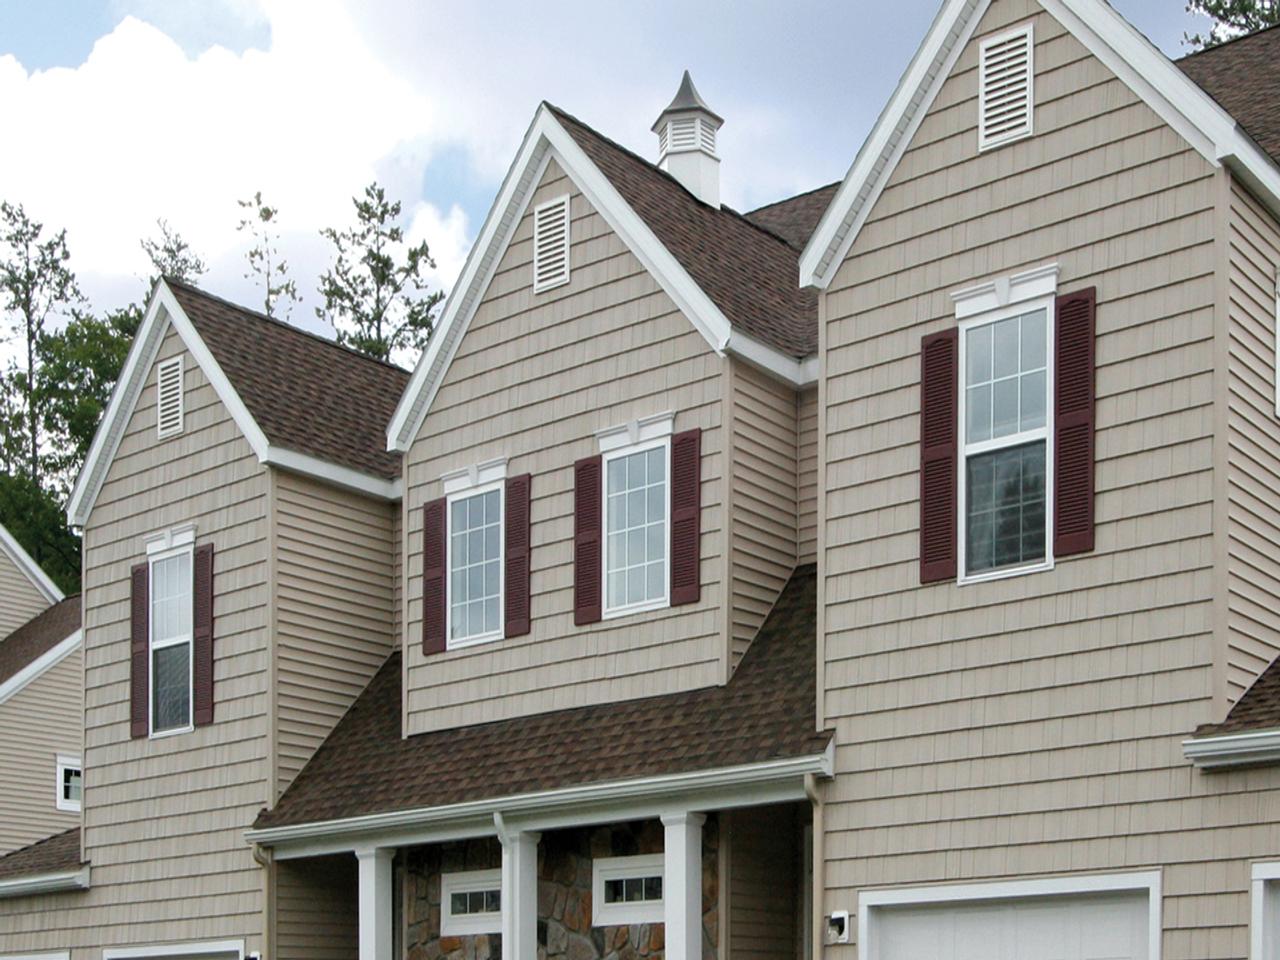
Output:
x=545 y=139
x=799 y=373
x=750 y=784
x=332 y=473
x=46 y=661
x=46 y=883
x=33 y=571
x=231 y=949
x=1233 y=749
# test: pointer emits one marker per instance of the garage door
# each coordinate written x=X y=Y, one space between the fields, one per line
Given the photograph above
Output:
x=1098 y=927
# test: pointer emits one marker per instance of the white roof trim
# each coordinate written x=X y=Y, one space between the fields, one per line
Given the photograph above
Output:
x=1233 y=749
x=46 y=661
x=545 y=139
x=32 y=570
x=1174 y=96
x=45 y=883
x=164 y=308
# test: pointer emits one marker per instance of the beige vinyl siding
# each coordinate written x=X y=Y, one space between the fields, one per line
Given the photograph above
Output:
x=807 y=476
x=316 y=909
x=764 y=883
x=37 y=723
x=20 y=600
x=1032 y=725
x=763 y=500
x=333 y=608
x=533 y=379
x=1253 y=445
x=164 y=818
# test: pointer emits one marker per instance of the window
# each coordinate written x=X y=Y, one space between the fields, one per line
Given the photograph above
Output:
x=626 y=890
x=551 y=244
x=1005 y=80
x=471 y=903
x=636 y=508
x=69 y=784
x=171 y=596
x=169 y=398
x=475 y=566
x=1006 y=470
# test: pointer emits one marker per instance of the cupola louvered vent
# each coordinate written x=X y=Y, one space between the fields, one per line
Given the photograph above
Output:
x=1005 y=94
x=551 y=244
x=169 y=398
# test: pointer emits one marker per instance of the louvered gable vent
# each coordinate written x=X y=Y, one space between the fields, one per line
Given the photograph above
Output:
x=169 y=398
x=551 y=244
x=1005 y=80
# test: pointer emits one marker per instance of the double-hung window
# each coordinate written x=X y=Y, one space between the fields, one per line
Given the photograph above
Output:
x=636 y=538
x=475 y=565
x=171 y=602
x=1007 y=464
x=69 y=784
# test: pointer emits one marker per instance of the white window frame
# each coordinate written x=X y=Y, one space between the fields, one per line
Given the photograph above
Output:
x=62 y=763
x=638 y=436
x=991 y=143
x=1264 y=922
x=626 y=868
x=463 y=484
x=468 y=924
x=228 y=949
x=164 y=546
x=162 y=368
x=966 y=449
x=561 y=279
x=1149 y=881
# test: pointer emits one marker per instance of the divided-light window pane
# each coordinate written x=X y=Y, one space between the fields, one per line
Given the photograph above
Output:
x=1005 y=512
x=475 y=565
x=171 y=687
x=636 y=522
x=1005 y=378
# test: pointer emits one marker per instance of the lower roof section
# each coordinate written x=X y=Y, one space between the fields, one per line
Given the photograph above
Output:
x=761 y=721
x=1249 y=735
x=45 y=866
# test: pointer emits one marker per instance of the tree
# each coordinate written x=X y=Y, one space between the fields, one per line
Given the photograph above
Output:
x=264 y=257
x=172 y=256
x=377 y=302
x=1231 y=19
x=36 y=283
x=36 y=520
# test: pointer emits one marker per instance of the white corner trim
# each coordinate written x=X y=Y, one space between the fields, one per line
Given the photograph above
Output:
x=333 y=474
x=1077 y=884
x=475 y=475
x=799 y=373
x=625 y=868
x=47 y=660
x=644 y=430
x=32 y=570
x=1035 y=284
x=1233 y=749
x=231 y=949
x=46 y=883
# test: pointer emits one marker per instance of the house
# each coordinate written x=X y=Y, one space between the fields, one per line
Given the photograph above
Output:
x=25 y=589
x=888 y=572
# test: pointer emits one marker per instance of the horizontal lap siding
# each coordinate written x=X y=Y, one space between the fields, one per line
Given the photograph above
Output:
x=164 y=819
x=316 y=909
x=765 y=473
x=533 y=380
x=807 y=481
x=1033 y=725
x=764 y=884
x=1253 y=450
x=334 y=597
x=19 y=598
x=37 y=723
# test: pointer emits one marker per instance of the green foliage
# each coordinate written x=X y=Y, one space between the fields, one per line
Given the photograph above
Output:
x=378 y=303
x=172 y=256
x=1231 y=19
x=34 y=516
x=265 y=261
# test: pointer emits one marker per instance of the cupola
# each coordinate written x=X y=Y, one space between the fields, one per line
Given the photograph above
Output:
x=687 y=143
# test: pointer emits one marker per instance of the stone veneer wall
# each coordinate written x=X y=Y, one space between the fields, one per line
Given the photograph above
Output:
x=564 y=896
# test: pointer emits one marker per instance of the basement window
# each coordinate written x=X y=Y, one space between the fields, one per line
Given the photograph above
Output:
x=1005 y=87
x=626 y=890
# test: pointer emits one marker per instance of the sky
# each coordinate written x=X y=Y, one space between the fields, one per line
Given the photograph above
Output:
x=119 y=112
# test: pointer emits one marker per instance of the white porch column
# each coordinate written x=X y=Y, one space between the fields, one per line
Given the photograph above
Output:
x=682 y=885
x=375 y=902
x=519 y=896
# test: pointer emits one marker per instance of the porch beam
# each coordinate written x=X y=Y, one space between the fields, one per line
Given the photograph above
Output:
x=519 y=895
x=375 y=902
x=682 y=885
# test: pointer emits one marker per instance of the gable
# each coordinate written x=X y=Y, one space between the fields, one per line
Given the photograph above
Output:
x=25 y=589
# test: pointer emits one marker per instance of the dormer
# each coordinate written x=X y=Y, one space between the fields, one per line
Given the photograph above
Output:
x=686 y=132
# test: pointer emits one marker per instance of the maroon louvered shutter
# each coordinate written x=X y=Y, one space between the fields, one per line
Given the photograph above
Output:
x=516 y=559
x=1073 y=406
x=939 y=365
x=202 y=636
x=686 y=516
x=139 y=677
x=586 y=540
x=434 y=563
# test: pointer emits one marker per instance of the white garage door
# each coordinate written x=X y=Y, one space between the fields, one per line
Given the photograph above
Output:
x=1099 y=927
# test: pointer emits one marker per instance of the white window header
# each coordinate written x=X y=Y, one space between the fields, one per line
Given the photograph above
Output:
x=164 y=540
x=476 y=475
x=1032 y=284
x=635 y=432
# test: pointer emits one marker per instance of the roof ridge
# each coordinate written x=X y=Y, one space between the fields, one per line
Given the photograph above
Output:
x=1227 y=43
x=284 y=325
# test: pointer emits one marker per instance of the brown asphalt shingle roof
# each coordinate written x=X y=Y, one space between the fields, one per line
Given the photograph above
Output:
x=38 y=636
x=307 y=393
x=766 y=712
x=1244 y=77
x=750 y=274
x=795 y=218
x=1258 y=709
x=57 y=854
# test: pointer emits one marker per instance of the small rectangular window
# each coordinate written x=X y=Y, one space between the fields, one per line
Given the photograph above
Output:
x=471 y=903
x=171 y=596
x=69 y=784
x=475 y=566
x=627 y=890
x=551 y=244
x=1006 y=83
x=636 y=508
x=169 y=398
